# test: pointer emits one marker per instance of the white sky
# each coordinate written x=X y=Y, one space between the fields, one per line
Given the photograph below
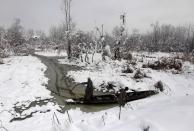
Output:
x=41 y=14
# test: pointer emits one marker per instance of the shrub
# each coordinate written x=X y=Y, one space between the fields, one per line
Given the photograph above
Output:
x=139 y=74
x=165 y=63
x=159 y=85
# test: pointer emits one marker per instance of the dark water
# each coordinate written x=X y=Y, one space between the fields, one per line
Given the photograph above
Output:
x=60 y=85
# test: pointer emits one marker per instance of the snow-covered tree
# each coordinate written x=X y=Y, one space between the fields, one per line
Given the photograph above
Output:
x=15 y=33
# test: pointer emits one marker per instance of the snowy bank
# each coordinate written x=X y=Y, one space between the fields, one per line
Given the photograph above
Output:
x=22 y=81
x=171 y=110
x=51 y=53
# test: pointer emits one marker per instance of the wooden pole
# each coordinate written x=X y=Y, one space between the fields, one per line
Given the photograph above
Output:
x=70 y=120
x=120 y=112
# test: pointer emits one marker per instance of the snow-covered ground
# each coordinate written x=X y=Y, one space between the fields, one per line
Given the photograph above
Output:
x=158 y=113
x=111 y=71
x=51 y=53
x=22 y=79
x=172 y=109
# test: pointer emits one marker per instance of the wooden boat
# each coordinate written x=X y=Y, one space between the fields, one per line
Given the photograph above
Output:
x=113 y=98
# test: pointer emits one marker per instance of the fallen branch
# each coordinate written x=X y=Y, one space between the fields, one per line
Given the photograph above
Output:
x=55 y=116
x=69 y=117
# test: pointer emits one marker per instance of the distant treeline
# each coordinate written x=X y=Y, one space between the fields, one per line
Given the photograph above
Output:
x=164 y=38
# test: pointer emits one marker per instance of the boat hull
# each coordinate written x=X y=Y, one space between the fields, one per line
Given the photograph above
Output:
x=113 y=98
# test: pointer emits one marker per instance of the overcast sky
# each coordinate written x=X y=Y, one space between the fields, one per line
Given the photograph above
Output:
x=41 y=14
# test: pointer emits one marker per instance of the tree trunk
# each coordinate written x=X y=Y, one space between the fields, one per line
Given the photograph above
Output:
x=69 y=53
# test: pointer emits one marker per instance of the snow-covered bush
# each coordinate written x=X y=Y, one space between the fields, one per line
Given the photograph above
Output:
x=106 y=52
x=159 y=85
x=1 y=61
x=139 y=74
x=2 y=53
x=127 y=56
x=188 y=57
x=165 y=63
x=128 y=70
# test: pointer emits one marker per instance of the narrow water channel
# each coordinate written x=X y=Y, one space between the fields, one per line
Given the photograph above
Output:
x=60 y=85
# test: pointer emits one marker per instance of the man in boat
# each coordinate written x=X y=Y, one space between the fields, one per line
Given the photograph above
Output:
x=122 y=97
x=89 y=90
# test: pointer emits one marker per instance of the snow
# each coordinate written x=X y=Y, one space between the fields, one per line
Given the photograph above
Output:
x=108 y=71
x=51 y=53
x=160 y=114
x=154 y=54
x=171 y=110
x=97 y=60
x=22 y=75
x=22 y=80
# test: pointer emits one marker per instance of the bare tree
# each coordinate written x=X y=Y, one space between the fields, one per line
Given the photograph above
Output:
x=2 y=33
x=156 y=36
x=29 y=34
x=68 y=25
x=15 y=37
x=15 y=33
